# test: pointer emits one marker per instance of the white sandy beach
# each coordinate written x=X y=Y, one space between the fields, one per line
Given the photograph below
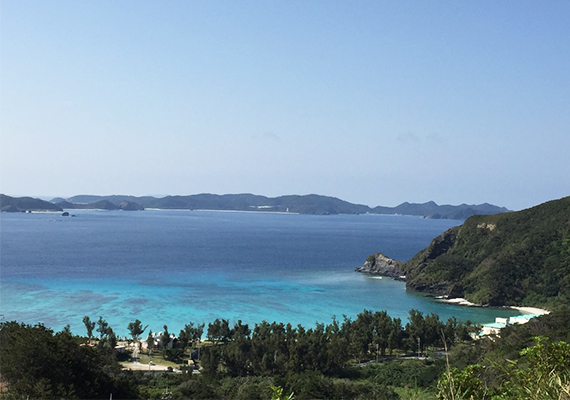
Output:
x=526 y=310
x=531 y=310
x=459 y=301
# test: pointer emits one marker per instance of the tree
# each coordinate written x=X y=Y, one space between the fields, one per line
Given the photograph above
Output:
x=109 y=340
x=433 y=328
x=102 y=327
x=211 y=360
x=136 y=329
x=360 y=334
x=111 y=337
x=89 y=325
x=382 y=329
x=219 y=330
x=165 y=338
x=150 y=342
x=190 y=335
x=240 y=331
x=395 y=335
x=416 y=329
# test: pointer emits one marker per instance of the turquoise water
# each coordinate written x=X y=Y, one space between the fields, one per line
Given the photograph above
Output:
x=173 y=267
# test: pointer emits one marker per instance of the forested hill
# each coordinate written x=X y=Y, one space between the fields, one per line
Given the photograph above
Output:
x=306 y=204
x=518 y=258
x=23 y=204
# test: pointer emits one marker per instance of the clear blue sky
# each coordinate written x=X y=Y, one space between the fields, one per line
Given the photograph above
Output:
x=375 y=102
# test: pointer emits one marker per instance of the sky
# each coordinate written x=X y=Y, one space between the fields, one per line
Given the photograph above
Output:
x=374 y=102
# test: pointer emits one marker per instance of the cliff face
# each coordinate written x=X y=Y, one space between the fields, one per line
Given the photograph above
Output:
x=379 y=264
x=418 y=268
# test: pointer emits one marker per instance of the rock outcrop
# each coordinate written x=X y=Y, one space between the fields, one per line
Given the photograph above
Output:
x=379 y=264
x=130 y=206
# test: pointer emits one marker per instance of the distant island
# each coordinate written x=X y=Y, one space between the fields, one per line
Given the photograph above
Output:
x=517 y=258
x=26 y=204
x=307 y=204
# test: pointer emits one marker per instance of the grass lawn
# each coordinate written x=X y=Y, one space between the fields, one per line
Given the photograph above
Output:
x=157 y=359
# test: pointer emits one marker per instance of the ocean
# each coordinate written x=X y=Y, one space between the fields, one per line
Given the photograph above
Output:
x=175 y=267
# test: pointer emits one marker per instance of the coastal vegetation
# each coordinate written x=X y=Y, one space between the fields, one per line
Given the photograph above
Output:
x=372 y=356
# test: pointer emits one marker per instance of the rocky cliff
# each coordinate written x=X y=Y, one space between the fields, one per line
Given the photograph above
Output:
x=379 y=264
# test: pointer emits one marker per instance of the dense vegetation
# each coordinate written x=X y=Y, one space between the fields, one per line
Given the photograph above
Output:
x=277 y=360
x=272 y=359
x=519 y=258
x=308 y=204
x=313 y=362
x=38 y=364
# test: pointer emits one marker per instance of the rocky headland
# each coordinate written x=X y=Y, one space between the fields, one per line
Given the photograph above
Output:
x=379 y=264
x=509 y=259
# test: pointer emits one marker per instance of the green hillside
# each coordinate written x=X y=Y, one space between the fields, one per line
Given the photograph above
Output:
x=23 y=204
x=518 y=258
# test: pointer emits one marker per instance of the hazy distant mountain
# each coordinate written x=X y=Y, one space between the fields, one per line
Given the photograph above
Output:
x=22 y=204
x=115 y=199
x=103 y=204
x=432 y=210
x=306 y=204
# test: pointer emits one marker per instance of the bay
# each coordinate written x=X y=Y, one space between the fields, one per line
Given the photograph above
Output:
x=173 y=267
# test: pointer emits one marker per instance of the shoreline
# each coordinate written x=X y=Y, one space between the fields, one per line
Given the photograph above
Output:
x=531 y=310
x=459 y=301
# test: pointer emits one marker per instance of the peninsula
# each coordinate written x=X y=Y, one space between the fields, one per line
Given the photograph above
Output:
x=510 y=259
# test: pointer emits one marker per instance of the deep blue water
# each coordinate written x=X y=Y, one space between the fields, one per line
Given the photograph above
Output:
x=173 y=267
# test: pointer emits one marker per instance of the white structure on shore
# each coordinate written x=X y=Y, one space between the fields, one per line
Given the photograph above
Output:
x=495 y=327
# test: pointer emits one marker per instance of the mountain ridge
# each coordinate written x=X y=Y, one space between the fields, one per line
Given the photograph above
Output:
x=303 y=204
x=26 y=204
